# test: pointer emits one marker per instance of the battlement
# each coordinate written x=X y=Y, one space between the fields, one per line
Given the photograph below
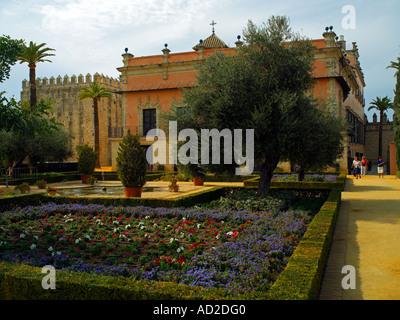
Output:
x=74 y=80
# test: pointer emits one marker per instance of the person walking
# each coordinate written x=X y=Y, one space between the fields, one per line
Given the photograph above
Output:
x=357 y=167
x=364 y=163
x=380 y=164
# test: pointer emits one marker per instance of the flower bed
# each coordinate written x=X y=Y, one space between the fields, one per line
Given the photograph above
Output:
x=236 y=250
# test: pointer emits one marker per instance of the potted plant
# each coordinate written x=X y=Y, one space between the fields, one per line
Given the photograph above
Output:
x=131 y=165
x=86 y=161
x=196 y=172
x=52 y=191
x=173 y=186
x=91 y=180
x=23 y=187
x=41 y=184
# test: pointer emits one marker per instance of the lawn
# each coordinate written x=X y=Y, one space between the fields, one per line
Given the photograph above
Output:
x=240 y=242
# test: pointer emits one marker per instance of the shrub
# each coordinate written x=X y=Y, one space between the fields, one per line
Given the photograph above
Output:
x=131 y=162
x=86 y=159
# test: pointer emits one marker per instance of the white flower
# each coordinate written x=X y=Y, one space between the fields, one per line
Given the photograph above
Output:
x=87 y=237
x=172 y=240
x=51 y=249
x=182 y=235
x=198 y=226
x=128 y=226
x=147 y=217
x=33 y=246
x=36 y=237
x=229 y=233
x=180 y=249
x=22 y=235
x=218 y=236
x=56 y=253
x=78 y=240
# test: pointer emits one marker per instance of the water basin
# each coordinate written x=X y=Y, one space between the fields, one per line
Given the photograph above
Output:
x=101 y=191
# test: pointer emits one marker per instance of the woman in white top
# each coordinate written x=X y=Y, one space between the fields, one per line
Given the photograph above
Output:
x=357 y=167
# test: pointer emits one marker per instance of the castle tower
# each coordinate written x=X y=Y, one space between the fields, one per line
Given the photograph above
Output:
x=77 y=115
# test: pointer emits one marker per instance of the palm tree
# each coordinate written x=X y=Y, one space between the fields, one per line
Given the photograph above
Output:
x=33 y=54
x=95 y=92
x=382 y=105
x=395 y=65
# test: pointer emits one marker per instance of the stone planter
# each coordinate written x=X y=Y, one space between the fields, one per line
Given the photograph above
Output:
x=84 y=178
x=198 y=181
x=135 y=192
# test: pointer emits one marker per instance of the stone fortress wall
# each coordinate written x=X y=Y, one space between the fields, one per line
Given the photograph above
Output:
x=77 y=115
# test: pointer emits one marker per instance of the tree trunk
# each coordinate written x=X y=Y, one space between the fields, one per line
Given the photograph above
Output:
x=96 y=132
x=299 y=169
x=267 y=171
x=32 y=85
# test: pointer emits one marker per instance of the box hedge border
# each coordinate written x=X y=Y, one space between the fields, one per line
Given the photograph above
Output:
x=300 y=280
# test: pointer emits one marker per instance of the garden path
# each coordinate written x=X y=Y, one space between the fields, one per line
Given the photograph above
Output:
x=367 y=237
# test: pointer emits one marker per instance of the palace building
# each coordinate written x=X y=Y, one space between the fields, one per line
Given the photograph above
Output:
x=148 y=85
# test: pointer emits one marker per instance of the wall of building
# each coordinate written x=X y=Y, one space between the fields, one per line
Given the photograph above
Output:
x=372 y=139
x=77 y=115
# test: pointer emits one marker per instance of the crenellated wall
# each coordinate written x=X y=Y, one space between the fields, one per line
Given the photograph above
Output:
x=77 y=115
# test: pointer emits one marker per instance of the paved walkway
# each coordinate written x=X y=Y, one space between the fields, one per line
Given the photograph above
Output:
x=367 y=237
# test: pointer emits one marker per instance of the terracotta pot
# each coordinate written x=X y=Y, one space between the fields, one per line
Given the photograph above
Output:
x=52 y=193
x=175 y=188
x=84 y=178
x=198 y=181
x=133 y=192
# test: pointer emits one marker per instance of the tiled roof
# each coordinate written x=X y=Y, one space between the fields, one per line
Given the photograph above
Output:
x=211 y=42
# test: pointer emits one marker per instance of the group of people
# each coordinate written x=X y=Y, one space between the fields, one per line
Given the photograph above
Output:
x=360 y=167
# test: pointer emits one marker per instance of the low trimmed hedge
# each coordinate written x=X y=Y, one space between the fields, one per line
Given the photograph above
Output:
x=186 y=200
x=302 y=276
x=340 y=181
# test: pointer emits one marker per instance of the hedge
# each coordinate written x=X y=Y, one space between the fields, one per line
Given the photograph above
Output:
x=300 y=280
x=340 y=181
x=302 y=276
x=185 y=200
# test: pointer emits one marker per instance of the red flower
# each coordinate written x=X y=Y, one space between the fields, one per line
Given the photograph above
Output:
x=60 y=231
x=103 y=239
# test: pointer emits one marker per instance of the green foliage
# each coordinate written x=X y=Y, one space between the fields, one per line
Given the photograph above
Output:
x=35 y=134
x=131 y=162
x=86 y=159
x=10 y=49
x=95 y=91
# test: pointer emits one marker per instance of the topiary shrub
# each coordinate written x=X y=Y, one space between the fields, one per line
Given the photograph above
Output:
x=86 y=159
x=131 y=162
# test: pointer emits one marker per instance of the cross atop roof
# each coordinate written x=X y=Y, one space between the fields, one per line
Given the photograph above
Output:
x=213 y=24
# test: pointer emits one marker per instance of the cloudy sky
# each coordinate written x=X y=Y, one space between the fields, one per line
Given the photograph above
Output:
x=89 y=36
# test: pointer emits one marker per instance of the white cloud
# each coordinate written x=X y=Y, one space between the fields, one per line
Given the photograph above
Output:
x=93 y=19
